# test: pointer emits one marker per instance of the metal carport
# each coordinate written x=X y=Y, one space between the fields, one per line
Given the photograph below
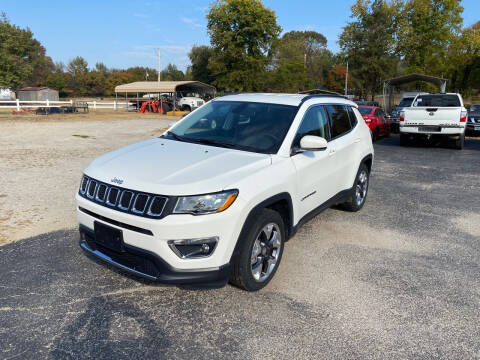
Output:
x=389 y=85
x=171 y=87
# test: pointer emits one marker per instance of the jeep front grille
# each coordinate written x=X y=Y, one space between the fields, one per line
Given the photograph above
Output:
x=125 y=200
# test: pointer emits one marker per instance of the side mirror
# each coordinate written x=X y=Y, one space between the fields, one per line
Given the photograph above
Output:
x=313 y=143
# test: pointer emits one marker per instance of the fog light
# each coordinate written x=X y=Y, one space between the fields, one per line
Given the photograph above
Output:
x=194 y=248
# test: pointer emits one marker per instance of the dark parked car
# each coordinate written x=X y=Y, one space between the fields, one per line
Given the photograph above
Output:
x=473 y=122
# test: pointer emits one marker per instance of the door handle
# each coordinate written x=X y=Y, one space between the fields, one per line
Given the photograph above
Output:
x=357 y=140
x=331 y=152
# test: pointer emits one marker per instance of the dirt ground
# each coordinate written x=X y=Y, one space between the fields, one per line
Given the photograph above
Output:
x=42 y=158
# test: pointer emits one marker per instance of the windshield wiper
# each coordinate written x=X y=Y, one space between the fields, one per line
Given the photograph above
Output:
x=176 y=137
x=215 y=142
x=226 y=145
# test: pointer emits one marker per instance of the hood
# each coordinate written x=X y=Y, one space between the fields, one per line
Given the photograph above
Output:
x=170 y=167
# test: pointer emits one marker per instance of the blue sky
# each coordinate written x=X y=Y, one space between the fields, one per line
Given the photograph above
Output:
x=125 y=33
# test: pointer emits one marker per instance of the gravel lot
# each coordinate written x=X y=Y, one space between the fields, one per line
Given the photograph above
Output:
x=41 y=163
x=400 y=279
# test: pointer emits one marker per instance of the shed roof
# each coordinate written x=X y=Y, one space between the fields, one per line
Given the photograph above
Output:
x=162 y=86
x=34 y=88
x=416 y=77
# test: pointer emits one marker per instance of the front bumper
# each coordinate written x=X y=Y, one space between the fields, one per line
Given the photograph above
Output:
x=148 y=265
x=151 y=236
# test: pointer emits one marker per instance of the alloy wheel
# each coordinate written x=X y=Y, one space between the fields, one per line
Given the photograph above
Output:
x=265 y=252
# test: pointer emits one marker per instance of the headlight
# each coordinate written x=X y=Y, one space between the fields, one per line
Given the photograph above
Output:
x=205 y=204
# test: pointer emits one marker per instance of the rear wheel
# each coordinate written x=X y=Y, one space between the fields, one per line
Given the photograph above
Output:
x=459 y=143
x=260 y=252
x=374 y=135
x=403 y=139
x=360 y=190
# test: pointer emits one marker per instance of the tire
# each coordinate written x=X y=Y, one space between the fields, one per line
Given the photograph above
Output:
x=360 y=190
x=243 y=269
x=403 y=139
x=460 y=142
x=374 y=135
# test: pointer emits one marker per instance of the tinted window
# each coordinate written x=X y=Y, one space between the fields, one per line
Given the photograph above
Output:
x=474 y=108
x=364 y=110
x=406 y=102
x=438 y=100
x=315 y=122
x=340 y=122
x=257 y=127
x=353 y=117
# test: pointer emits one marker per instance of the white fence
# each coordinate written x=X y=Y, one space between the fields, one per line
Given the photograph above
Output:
x=18 y=105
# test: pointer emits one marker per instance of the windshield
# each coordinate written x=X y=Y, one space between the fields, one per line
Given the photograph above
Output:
x=406 y=102
x=364 y=110
x=438 y=100
x=250 y=126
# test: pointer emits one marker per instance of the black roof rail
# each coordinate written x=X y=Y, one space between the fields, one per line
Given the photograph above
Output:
x=308 y=97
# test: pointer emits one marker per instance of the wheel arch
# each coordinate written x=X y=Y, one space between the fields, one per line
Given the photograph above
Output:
x=368 y=161
x=282 y=203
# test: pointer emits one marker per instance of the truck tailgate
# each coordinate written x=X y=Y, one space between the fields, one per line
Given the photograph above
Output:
x=432 y=116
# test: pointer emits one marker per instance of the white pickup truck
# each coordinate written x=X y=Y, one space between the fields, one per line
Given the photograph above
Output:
x=434 y=115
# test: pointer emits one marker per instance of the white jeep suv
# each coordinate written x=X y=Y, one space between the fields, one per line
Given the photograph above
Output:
x=218 y=194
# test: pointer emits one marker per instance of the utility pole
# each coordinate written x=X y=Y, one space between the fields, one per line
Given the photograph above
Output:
x=346 y=81
x=158 y=64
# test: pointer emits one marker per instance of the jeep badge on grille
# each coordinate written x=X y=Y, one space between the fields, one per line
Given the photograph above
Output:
x=117 y=181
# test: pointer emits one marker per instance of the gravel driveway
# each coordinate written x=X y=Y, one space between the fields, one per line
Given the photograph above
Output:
x=400 y=279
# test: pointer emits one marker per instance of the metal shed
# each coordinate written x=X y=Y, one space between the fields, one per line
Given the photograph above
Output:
x=390 y=84
x=171 y=87
x=33 y=93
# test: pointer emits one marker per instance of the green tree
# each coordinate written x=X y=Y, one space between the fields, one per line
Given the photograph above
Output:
x=117 y=77
x=101 y=67
x=22 y=58
x=199 y=57
x=77 y=66
x=308 y=48
x=289 y=77
x=464 y=59
x=426 y=30
x=171 y=73
x=241 y=33
x=368 y=43
x=140 y=73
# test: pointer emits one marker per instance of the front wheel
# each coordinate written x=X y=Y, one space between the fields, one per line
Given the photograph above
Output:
x=359 y=191
x=259 y=252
